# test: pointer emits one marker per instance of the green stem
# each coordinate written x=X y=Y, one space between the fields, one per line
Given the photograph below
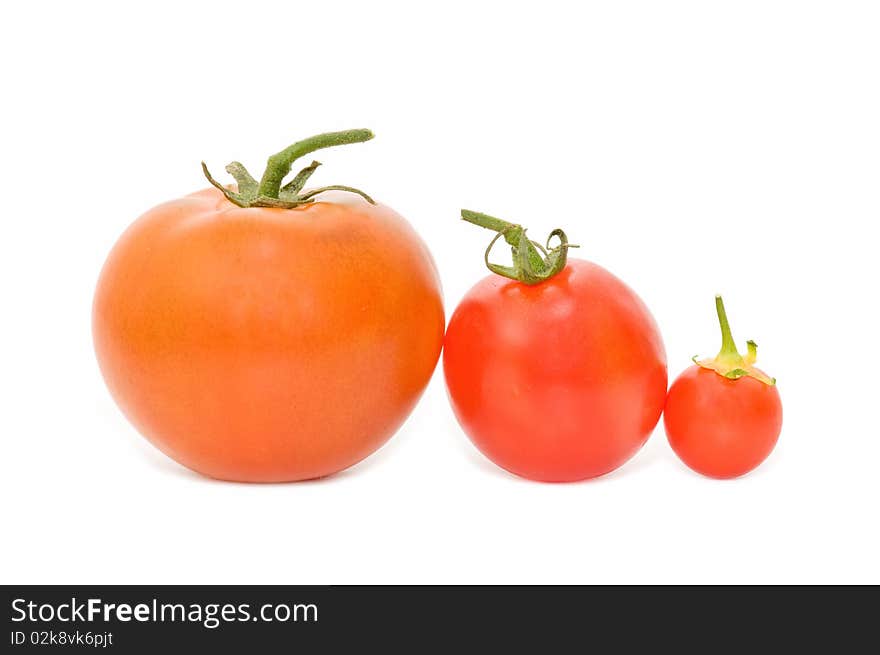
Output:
x=729 y=363
x=280 y=163
x=269 y=192
x=513 y=234
x=490 y=223
x=532 y=263
x=728 y=352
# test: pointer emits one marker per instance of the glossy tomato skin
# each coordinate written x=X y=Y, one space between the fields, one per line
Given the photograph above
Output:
x=560 y=381
x=263 y=344
x=719 y=427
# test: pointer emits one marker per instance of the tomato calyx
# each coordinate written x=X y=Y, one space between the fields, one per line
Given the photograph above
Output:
x=532 y=262
x=269 y=192
x=728 y=362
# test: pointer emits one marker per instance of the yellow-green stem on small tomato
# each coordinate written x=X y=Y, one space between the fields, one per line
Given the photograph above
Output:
x=728 y=353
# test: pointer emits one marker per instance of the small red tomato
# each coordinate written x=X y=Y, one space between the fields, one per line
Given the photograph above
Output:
x=559 y=373
x=723 y=416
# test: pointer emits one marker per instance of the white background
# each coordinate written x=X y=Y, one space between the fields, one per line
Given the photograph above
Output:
x=690 y=147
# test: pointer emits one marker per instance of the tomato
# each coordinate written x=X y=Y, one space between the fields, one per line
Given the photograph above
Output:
x=559 y=373
x=281 y=340
x=723 y=416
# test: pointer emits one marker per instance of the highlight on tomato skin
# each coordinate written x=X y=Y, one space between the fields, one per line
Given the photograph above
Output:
x=267 y=332
x=723 y=416
x=555 y=369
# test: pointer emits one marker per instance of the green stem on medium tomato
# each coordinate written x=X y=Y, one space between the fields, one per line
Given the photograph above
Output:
x=269 y=192
x=532 y=262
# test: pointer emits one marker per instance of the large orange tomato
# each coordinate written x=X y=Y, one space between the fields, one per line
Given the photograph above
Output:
x=262 y=335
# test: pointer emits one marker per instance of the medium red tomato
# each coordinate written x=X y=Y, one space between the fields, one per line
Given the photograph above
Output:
x=558 y=373
x=262 y=336
x=723 y=416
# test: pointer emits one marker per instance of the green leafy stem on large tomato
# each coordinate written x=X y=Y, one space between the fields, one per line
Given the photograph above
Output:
x=269 y=192
x=532 y=262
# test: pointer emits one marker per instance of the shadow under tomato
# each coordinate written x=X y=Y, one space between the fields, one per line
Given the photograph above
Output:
x=483 y=463
x=164 y=464
x=646 y=457
x=168 y=466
